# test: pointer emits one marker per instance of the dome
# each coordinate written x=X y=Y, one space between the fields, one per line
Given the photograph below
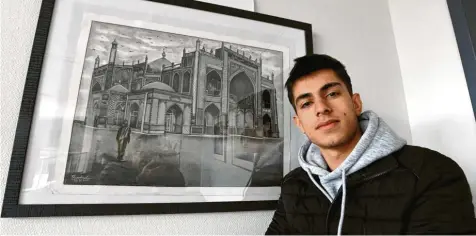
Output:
x=158 y=85
x=118 y=88
x=157 y=64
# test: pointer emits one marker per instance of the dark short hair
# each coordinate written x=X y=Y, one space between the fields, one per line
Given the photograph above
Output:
x=312 y=63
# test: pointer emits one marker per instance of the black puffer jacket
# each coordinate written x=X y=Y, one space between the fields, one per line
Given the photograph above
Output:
x=412 y=191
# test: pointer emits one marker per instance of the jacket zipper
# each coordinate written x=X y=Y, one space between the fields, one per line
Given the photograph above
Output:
x=339 y=192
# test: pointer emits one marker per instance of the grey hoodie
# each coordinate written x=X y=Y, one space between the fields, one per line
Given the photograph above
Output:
x=377 y=141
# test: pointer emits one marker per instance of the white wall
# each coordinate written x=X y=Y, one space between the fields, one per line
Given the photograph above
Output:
x=439 y=106
x=357 y=33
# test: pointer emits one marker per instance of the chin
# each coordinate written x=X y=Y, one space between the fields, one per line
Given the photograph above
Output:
x=329 y=142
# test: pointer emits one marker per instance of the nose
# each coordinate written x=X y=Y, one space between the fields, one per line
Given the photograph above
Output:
x=322 y=107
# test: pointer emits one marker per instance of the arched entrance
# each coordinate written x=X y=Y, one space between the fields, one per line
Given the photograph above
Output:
x=266 y=99
x=212 y=124
x=242 y=93
x=267 y=131
x=134 y=115
x=174 y=119
x=213 y=86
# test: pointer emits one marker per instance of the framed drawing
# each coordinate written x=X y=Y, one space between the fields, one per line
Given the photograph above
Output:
x=463 y=17
x=148 y=107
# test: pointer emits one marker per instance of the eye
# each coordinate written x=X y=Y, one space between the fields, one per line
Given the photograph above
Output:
x=305 y=104
x=332 y=94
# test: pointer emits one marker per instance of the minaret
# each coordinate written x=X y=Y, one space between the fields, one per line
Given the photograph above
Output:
x=110 y=66
x=258 y=88
x=145 y=65
x=112 y=54
x=222 y=56
x=96 y=62
x=184 y=63
x=132 y=76
x=195 y=82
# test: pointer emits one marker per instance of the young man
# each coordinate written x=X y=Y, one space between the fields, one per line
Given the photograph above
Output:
x=357 y=176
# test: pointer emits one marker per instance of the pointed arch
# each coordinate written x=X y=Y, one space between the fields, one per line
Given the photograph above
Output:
x=266 y=99
x=176 y=82
x=213 y=85
x=186 y=82
x=174 y=119
x=96 y=87
x=242 y=91
x=212 y=116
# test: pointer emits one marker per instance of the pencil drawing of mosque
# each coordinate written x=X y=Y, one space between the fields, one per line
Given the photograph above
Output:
x=191 y=97
x=185 y=115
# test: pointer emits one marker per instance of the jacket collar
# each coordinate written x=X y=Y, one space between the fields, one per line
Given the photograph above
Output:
x=376 y=169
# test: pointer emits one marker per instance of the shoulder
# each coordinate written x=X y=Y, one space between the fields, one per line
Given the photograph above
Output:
x=292 y=181
x=428 y=163
x=294 y=174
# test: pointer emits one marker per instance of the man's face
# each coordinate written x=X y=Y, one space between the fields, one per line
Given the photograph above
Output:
x=325 y=110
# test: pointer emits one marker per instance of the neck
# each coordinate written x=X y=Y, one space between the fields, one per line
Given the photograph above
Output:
x=334 y=156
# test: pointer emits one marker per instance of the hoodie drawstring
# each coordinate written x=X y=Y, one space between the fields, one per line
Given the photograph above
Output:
x=342 y=208
x=344 y=195
x=319 y=186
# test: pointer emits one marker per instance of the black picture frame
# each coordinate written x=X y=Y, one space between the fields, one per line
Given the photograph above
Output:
x=11 y=206
x=463 y=17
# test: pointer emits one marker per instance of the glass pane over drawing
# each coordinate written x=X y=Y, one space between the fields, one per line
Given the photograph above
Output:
x=163 y=109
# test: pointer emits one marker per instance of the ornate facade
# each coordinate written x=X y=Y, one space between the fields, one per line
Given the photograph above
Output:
x=218 y=91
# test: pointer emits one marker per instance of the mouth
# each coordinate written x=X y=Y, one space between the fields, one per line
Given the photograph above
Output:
x=327 y=124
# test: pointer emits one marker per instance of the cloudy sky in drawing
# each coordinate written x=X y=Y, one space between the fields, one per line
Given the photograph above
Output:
x=133 y=44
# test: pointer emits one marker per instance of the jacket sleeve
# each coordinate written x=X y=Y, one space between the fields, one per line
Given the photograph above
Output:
x=279 y=224
x=443 y=200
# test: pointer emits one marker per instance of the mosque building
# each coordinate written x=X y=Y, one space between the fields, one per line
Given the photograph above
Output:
x=216 y=91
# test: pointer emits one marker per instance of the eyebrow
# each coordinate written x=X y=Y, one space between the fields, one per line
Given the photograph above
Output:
x=322 y=89
x=329 y=85
x=301 y=97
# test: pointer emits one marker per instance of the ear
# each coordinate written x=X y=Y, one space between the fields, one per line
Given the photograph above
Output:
x=298 y=123
x=357 y=102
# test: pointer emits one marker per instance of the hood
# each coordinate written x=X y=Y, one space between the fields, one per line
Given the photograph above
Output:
x=378 y=140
